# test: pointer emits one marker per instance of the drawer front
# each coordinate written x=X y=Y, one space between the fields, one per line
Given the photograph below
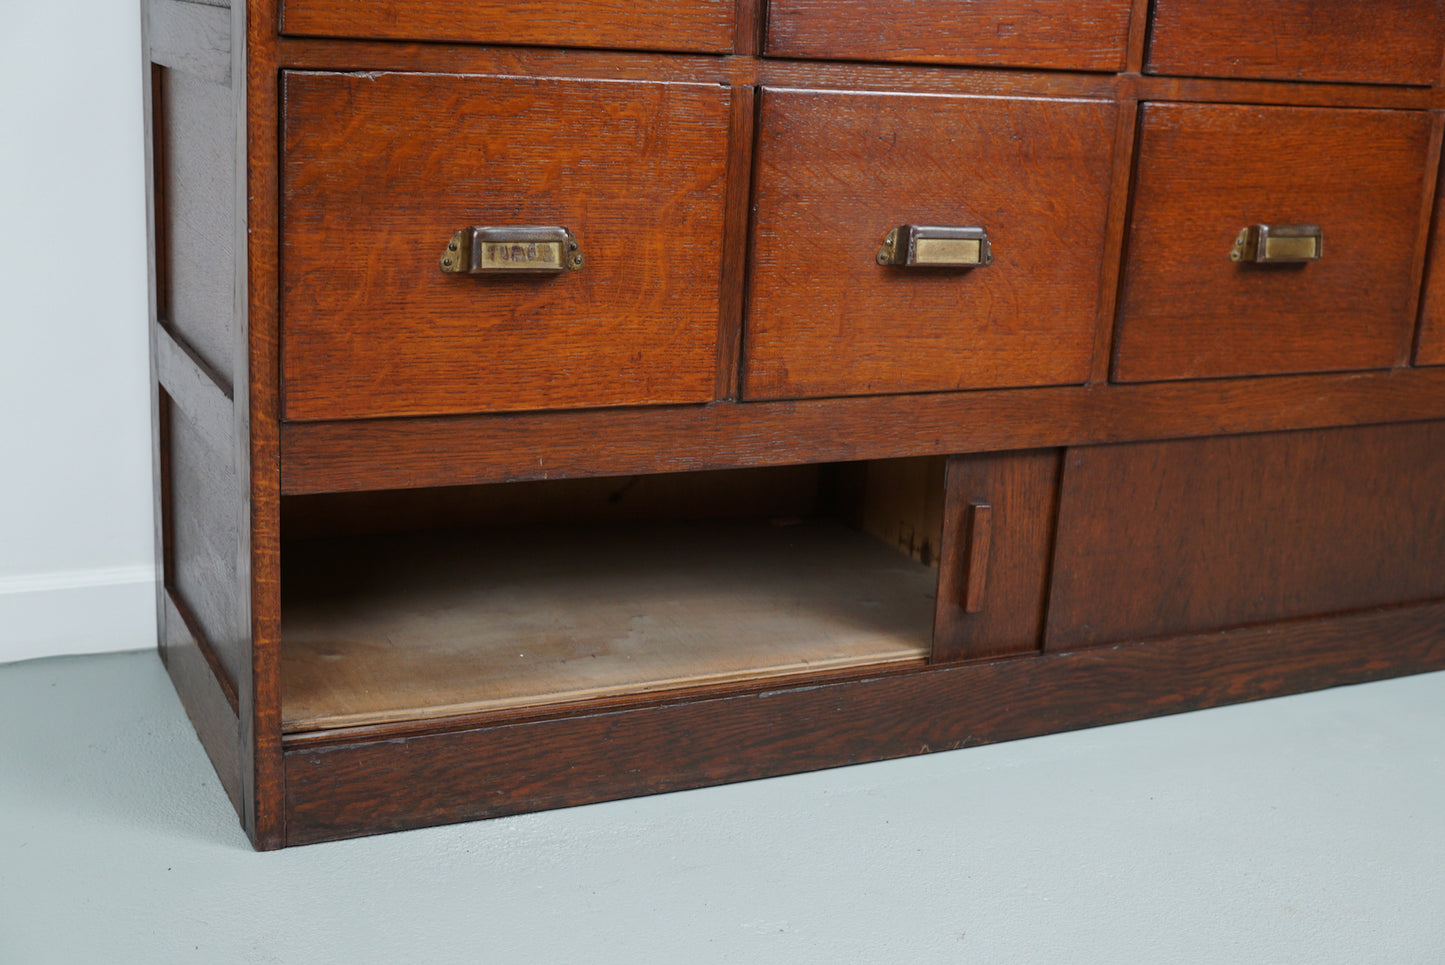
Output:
x=379 y=171
x=835 y=173
x=1379 y=42
x=702 y=26
x=1063 y=34
x=1164 y=539
x=1205 y=172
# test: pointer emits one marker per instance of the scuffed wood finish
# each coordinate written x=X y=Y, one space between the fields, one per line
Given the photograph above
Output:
x=1205 y=172
x=835 y=172
x=379 y=171
x=1062 y=34
x=403 y=453
x=704 y=26
x=502 y=767
x=1000 y=610
x=407 y=628
x=1181 y=537
x=1380 y=42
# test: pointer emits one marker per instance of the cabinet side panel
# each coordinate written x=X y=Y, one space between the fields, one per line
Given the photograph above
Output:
x=199 y=184
x=1157 y=539
x=205 y=510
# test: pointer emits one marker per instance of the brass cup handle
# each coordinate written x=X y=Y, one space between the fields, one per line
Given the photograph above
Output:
x=1281 y=244
x=525 y=249
x=924 y=246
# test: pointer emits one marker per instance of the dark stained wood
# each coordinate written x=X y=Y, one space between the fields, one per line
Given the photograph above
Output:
x=257 y=350
x=778 y=492
x=182 y=626
x=219 y=276
x=1116 y=230
x=204 y=494
x=1203 y=90
x=836 y=172
x=900 y=501
x=405 y=453
x=209 y=704
x=198 y=391
x=1430 y=343
x=705 y=26
x=1205 y=172
x=1406 y=350
x=368 y=782
x=191 y=37
x=747 y=38
x=1161 y=539
x=1062 y=34
x=198 y=142
x=378 y=175
x=1021 y=489
x=743 y=113
x=1138 y=35
x=975 y=557
x=1381 y=42
x=743 y=70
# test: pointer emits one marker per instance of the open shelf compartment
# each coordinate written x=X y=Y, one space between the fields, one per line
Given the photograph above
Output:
x=418 y=605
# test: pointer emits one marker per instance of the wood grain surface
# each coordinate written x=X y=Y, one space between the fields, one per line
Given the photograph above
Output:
x=407 y=628
x=1021 y=489
x=369 y=781
x=379 y=171
x=835 y=172
x=404 y=453
x=1062 y=34
x=1380 y=42
x=1205 y=172
x=703 y=26
x=1161 y=539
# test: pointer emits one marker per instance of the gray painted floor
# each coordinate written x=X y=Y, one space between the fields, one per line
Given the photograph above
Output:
x=1309 y=829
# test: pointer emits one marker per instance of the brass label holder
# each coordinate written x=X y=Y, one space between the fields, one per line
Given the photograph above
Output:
x=525 y=249
x=1285 y=244
x=925 y=246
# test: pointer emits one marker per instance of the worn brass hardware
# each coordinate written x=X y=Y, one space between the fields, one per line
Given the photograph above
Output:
x=1281 y=244
x=526 y=249
x=919 y=246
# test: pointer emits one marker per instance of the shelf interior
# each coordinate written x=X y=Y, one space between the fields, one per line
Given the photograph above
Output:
x=382 y=627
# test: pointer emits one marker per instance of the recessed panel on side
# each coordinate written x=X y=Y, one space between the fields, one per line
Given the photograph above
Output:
x=594 y=280
x=916 y=243
x=1270 y=240
x=1169 y=538
x=1062 y=34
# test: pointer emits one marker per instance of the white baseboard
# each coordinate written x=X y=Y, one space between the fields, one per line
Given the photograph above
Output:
x=77 y=611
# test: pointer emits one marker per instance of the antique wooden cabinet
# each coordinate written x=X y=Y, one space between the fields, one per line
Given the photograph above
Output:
x=558 y=402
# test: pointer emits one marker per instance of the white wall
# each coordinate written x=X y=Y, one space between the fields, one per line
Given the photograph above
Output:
x=76 y=551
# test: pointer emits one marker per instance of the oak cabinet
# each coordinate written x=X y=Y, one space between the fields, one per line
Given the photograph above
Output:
x=561 y=403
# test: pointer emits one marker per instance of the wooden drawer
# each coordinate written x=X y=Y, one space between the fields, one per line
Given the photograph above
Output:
x=836 y=172
x=702 y=26
x=1207 y=171
x=1163 y=539
x=1063 y=34
x=1380 y=42
x=380 y=170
